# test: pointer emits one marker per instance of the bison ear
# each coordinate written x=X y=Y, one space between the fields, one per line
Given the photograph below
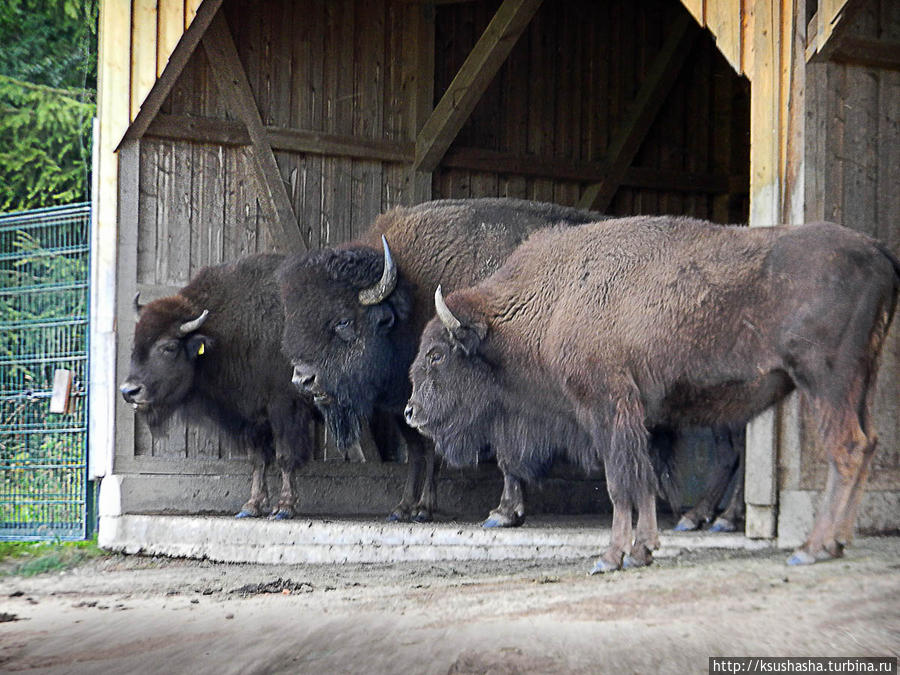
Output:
x=469 y=336
x=382 y=317
x=197 y=345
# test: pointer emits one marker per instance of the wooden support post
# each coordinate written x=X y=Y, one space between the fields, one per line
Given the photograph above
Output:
x=765 y=209
x=474 y=76
x=646 y=106
x=233 y=85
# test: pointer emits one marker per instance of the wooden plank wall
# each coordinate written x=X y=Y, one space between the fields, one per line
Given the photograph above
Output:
x=343 y=68
x=853 y=172
x=567 y=86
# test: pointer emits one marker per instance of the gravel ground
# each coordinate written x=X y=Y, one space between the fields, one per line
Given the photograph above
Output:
x=140 y=614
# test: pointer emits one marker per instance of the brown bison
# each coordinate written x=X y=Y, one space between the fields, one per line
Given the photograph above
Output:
x=589 y=337
x=354 y=313
x=212 y=353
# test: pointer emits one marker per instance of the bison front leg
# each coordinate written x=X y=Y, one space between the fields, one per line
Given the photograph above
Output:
x=292 y=427
x=511 y=511
x=620 y=537
x=630 y=477
x=259 y=494
x=646 y=536
x=420 y=479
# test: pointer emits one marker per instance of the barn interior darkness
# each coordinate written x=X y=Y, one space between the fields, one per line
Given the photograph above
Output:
x=629 y=94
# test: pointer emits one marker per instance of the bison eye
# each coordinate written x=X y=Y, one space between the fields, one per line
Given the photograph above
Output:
x=344 y=330
x=168 y=348
x=435 y=356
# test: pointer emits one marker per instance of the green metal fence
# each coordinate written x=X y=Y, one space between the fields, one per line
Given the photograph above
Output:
x=43 y=328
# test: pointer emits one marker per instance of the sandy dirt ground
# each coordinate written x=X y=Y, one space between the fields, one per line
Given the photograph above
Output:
x=132 y=614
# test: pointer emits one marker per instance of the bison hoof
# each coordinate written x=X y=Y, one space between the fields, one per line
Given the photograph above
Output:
x=281 y=514
x=722 y=525
x=686 y=525
x=244 y=513
x=422 y=517
x=801 y=557
x=399 y=515
x=603 y=566
x=632 y=562
x=501 y=519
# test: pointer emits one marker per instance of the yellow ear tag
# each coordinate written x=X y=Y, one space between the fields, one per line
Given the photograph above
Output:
x=201 y=350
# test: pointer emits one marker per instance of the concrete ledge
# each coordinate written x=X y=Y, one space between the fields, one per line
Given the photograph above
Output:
x=336 y=541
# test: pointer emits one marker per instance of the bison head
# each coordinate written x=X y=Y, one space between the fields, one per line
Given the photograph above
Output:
x=456 y=392
x=168 y=348
x=347 y=334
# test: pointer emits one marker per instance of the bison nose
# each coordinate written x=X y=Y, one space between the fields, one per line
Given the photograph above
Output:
x=410 y=413
x=129 y=391
x=303 y=379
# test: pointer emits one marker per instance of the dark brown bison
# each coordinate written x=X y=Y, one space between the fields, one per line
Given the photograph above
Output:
x=587 y=337
x=354 y=313
x=727 y=469
x=212 y=353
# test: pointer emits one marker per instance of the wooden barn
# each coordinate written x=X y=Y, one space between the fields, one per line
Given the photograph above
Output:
x=234 y=126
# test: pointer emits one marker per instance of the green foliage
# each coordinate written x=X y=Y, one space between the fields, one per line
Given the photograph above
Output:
x=30 y=558
x=48 y=81
x=45 y=151
x=50 y=42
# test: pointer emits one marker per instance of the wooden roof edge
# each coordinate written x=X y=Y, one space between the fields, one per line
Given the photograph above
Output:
x=182 y=53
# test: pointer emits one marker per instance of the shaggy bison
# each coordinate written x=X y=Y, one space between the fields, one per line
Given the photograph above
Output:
x=212 y=352
x=587 y=337
x=354 y=313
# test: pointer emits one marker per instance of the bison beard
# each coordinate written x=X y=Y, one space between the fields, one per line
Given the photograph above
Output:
x=588 y=337
x=343 y=422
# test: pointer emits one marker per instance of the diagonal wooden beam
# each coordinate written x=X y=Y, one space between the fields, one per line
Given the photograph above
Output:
x=177 y=61
x=233 y=85
x=632 y=131
x=470 y=83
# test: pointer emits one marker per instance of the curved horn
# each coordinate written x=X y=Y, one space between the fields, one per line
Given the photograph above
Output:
x=137 y=305
x=193 y=324
x=387 y=283
x=444 y=314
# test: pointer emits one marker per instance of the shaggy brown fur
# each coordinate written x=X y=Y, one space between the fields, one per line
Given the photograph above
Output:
x=588 y=337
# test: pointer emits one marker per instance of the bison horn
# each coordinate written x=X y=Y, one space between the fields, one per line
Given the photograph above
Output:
x=193 y=324
x=378 y=292
x=137 y=305
x=444 y=314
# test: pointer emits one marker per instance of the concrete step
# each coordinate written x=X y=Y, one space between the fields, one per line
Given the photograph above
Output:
x=361 y=540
